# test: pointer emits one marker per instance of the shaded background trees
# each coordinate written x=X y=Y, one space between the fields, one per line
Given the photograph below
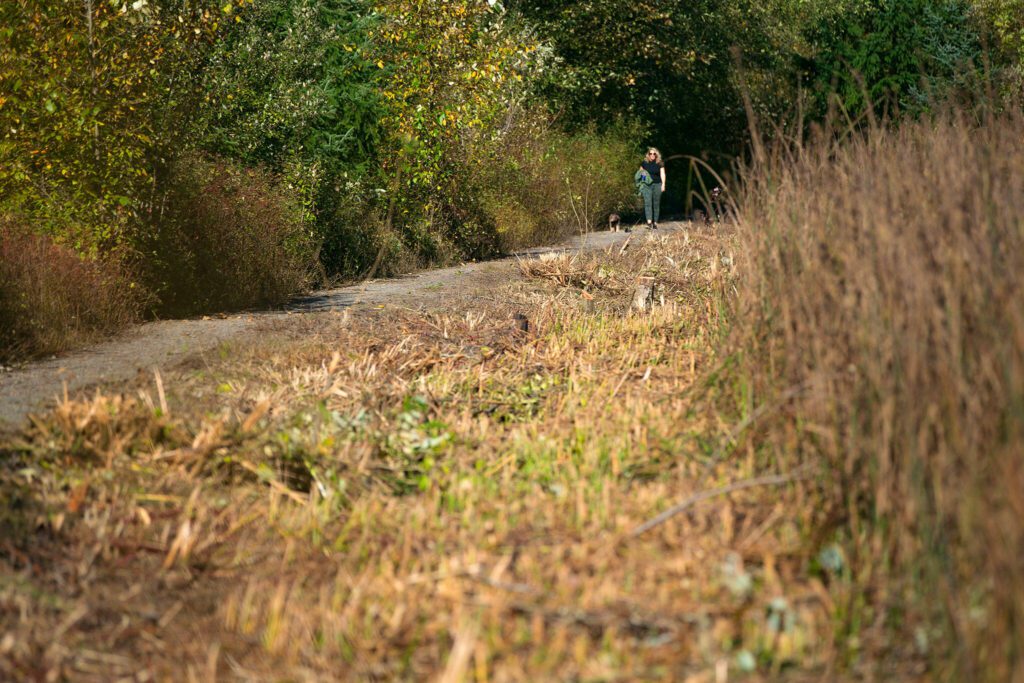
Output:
x=894 y=57
x=681 y=68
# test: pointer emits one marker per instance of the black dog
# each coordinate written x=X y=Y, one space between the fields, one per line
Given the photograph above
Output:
x=717 y=208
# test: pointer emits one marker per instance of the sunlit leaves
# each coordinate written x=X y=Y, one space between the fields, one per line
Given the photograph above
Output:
x=83 y=81
x=452 y=70
x=1004 y=21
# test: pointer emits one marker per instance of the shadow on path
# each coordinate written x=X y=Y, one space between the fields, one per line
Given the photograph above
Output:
x=374 y=291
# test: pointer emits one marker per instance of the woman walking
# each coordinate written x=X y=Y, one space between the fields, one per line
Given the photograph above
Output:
x=651 y=179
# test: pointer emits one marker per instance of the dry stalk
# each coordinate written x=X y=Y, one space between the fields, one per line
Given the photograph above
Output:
x=771 y=480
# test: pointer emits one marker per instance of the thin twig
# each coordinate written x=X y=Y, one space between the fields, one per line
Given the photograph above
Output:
x=771 y=480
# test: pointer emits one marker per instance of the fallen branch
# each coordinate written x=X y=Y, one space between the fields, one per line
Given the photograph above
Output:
x=772 y=480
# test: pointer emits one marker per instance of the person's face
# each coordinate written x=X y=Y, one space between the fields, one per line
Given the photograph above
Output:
x=651 y=155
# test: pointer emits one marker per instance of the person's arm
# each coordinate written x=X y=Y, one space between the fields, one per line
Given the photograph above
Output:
x=662 y=178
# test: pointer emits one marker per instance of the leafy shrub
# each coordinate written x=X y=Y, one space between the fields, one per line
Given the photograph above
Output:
x=293 y=89
x=92 y=93
x=883 y=310
x=453 y=74
x=294 y=80
x=544 y=184
x=1000 y=23
x=52 y=299
x=531 y=184
x=226 y=238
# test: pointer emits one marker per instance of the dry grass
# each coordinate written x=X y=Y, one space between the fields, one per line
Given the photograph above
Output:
x=394 y=494
x=42 y=306
x=884 y=321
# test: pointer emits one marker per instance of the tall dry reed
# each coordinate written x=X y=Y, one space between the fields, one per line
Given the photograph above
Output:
x=884 y=291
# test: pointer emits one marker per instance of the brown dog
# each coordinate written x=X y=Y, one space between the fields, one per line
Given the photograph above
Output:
x=613 y=222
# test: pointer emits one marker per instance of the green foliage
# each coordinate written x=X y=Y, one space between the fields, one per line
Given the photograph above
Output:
x=83 y=87
x=453 y=72
x=666 y=63
x=470 y=164
x=454 y=81
x=293 y=82
x=895 y=55
x=673 y=65
x=683 y=67
x=294 y=88
x=1003 y=23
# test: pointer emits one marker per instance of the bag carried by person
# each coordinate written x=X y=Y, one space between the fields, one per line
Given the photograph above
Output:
x=642 y=178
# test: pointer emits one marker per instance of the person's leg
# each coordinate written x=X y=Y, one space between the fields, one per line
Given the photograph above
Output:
x=647 y=193
x=656 y=202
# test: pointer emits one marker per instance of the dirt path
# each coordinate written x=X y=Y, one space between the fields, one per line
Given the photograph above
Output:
x=165 y=344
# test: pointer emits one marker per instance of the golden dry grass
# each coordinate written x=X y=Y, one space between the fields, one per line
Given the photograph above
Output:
x=883 y=317
x=395 y=494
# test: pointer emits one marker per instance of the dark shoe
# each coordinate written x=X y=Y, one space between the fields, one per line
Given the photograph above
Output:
x=655 y=226
x=650 y=226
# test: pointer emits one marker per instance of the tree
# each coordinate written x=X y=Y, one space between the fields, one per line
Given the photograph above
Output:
x=85 y=88
x=893 y=55
x=455 y=75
